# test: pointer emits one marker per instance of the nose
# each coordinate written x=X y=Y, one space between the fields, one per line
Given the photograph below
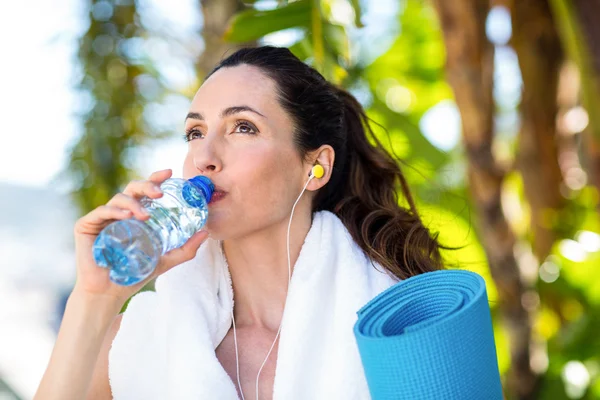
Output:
x=206 y=159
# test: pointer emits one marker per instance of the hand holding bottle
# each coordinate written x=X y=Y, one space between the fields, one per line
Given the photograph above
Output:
x=93 y=280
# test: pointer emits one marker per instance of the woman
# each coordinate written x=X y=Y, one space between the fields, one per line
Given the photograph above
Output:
x=258 y=125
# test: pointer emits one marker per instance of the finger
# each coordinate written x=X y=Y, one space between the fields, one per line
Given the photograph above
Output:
x=102 y=216
x=106 y=212
x=139 y=189
x=159 y=177
x=126 y=202
x=183 y=253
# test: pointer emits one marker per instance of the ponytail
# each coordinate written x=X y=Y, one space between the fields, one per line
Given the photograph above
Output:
x=368 y=204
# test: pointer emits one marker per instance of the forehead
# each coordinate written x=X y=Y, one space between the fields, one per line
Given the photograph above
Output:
x=242 y=84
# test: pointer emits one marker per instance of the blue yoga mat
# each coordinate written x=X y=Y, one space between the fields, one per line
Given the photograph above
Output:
x=430 y=337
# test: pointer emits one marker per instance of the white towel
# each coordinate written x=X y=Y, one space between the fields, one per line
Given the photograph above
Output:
x=165 y=348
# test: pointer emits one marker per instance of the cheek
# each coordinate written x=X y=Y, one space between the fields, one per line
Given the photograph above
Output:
x=271 y=186
x=265 y=186
x=258 y=178
x=260 y=198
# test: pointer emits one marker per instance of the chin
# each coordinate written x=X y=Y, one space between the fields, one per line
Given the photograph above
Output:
x=214 y=227
x=215 y=235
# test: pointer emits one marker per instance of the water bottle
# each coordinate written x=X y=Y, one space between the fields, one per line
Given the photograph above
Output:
x=131 y=248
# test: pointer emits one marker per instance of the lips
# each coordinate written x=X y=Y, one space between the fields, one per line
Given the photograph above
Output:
x=217 y=195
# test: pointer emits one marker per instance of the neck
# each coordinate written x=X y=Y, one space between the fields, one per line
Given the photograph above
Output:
x=258 y=265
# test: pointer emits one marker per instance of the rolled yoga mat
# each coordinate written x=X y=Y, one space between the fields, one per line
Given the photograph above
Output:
x=430 y=337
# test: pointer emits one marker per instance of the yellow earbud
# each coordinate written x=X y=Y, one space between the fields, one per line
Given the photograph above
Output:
x=318 y=171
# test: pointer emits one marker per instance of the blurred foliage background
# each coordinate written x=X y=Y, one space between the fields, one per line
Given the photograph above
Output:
x=490 y=105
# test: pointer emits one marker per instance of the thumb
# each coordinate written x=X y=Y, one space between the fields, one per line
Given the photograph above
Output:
x=183 y=253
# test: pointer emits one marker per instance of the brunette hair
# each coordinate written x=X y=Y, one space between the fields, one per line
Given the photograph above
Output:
x=366 y=180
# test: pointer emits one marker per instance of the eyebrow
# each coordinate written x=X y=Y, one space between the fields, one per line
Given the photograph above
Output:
x=226 y=112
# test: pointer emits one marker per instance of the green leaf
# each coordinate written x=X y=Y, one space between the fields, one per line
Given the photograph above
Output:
x=254 y=24
x=357 y=13
x=317 y=36
x=337 y=40
x=302 y=49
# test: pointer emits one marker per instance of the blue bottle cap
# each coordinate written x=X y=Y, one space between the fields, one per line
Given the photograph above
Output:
x=204 y=185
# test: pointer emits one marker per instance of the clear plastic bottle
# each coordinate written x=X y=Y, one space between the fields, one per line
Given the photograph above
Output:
x=131 y=248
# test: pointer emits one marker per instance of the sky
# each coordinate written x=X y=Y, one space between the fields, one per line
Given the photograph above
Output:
x=34 y=76
x=37 y=73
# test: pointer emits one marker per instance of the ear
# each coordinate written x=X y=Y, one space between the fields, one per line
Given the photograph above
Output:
x=325 y=157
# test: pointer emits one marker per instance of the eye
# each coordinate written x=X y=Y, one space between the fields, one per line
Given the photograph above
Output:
x=245 y=127
x=191 y=134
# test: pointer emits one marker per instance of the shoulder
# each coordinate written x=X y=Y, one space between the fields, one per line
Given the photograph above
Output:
x=339 y=247
x=340 y=232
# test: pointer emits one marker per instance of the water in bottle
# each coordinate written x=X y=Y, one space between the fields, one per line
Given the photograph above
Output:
x=131 y=248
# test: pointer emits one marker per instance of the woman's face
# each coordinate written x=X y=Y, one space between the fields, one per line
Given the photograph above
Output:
x=242 y=139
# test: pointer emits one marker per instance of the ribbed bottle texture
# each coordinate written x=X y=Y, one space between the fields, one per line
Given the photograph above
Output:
x=131 y=248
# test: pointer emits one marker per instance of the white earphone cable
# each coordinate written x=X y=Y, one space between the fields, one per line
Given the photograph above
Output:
x=237 y=364
x=289 y=280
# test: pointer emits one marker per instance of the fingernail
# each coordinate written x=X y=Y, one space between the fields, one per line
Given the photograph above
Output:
x=156 y=189
x=145 y=212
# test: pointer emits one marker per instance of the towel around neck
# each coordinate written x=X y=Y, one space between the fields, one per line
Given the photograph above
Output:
x=165 y=348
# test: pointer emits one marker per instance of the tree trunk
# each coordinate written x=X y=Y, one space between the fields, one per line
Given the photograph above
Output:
x=587 y=12
x=540 y=58
x=216 y=15
x=580 y=34
x=469 y=67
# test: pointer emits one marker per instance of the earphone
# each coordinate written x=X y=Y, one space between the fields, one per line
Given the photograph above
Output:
x=318 y=172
